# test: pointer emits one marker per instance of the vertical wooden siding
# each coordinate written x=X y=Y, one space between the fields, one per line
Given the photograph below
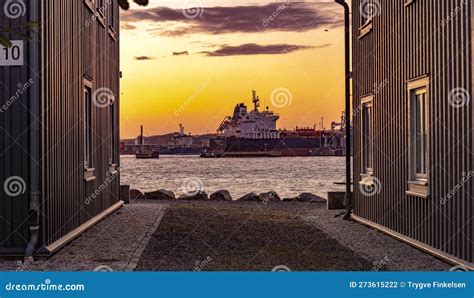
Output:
x=406 y=43
x=75 y=45
x=14 y=143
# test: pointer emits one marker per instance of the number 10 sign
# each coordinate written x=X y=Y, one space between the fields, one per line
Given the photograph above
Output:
x=12 y=56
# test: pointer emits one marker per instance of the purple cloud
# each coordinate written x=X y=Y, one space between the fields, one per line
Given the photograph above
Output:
x=255 y=49
x=144 y=58
x=291 y=17
x=183 y=53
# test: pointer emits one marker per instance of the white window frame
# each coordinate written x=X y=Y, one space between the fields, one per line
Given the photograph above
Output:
x=87 y=125
x=367 y=147
x=418 y=184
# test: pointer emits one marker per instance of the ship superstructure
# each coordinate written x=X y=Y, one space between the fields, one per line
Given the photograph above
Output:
x=250 y=125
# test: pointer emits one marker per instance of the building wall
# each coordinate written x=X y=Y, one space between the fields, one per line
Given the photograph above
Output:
x=14 y=143
x=77 y=45
x=73 y=44
x=431 y=38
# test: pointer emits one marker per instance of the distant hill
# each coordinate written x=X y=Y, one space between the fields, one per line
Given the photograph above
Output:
x=166 y=138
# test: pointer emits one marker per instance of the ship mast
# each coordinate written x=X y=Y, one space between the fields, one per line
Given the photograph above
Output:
x=255 y=100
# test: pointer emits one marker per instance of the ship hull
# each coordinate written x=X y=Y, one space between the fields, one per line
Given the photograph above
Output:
x=282 y=147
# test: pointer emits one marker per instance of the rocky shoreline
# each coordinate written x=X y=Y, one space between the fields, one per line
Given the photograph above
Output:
x=224 y=195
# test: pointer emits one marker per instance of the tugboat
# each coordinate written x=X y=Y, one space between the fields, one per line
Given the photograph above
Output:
x=145 y=151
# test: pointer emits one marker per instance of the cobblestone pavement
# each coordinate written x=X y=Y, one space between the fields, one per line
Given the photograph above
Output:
x=384 y=252
x=115 y=243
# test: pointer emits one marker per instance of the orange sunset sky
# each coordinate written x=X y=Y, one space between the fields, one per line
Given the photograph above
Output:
x=192 y=61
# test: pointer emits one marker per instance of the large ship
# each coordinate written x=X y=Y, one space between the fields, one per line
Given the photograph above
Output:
x=255 y=134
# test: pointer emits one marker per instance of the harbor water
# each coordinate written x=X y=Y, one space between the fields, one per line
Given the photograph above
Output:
x=288 y=176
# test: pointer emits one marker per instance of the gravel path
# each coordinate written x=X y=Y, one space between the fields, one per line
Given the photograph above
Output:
x=115 y=243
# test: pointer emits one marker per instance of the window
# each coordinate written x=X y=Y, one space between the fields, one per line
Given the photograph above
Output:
x=111 y=15
x=368 y=9
x=418 y=134
x=100 y=7
x=418 y=137
x=367 y=135
x=87 y=128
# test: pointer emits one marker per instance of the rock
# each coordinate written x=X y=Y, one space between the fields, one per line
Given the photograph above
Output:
x=160 y=194
x=270 y=196
x=200 y=196
x=310 y=198
x=136 y=195
x=289 y=199
x=221 y=195
x=250 y=197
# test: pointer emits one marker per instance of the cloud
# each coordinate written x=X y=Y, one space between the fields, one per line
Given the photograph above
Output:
x=143 y=58
x=255 y=49
x=127 y=26
x=184 y=53
x=291 y=17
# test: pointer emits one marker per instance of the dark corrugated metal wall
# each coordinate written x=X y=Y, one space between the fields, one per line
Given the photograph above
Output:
x=77 y=45
x=14 y=143
x=406 y=43
x=74 y=44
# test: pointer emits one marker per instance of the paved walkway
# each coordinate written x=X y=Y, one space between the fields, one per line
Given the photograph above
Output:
x=115 y=243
